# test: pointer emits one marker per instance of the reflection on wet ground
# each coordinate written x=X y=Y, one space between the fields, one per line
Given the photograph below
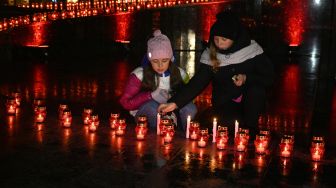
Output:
x=48 y=155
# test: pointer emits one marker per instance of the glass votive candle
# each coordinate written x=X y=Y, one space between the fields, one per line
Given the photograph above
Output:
x=241 y=141
x=113 y=120
x=194 y=130
x=317 y=148
x=163 y=123
x=260 y=144
x=121 y=127
x=94 y=119
x=11 y=107
x=141 y=131
x=203 y=138
x=66 y=118
x=222 y=140
x=61 y=108
x=17 y=98
x=168 y=134
x=40 y=114
x=247 y=133
x=92 y=127
x=87 y=112
x=286 y=147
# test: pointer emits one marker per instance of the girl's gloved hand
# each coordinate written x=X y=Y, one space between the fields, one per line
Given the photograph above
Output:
x=160 y=95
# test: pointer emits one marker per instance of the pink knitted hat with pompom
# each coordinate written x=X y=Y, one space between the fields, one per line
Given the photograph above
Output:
x=159 y=46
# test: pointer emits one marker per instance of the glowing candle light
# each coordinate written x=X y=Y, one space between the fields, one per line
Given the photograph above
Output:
x=286 y=146
x=194 y=130
x=87 y=112
x=203 y=138
x=141 y=130
x=113 y=120
x=317 y=148
x=188 y=126
x=236 y=128
x=158 y=121
x=121 y=127
x=214 y=129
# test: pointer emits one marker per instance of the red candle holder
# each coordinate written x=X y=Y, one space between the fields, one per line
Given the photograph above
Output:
x=61 y=108
x=87 y=112
x=95 y=120
x=260 y=144
x=141 y=131
x=194 y=130
x=286 y=146
x=17 y=98
x=317 y=149
x=168 y=134
x=222 y=140
x=163 y=123
x=121 y=127
x=113 y=120
x=246 y=131
x=92 y=126
x=11 y=107
x=241 y=141
x=203 y=138
x=267 y=134
x=40 y=114
x=142 y=119
x=66 y=118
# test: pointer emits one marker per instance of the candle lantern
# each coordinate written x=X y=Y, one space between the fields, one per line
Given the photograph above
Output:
x=87 y=112
x=61 y=108
x=260 y=144
x=11 y=106
x=168 y=134
x=241 y=141
x=286 y=146
x=66 y=118
x=163 y=123
x=113 y=120
x=194 y=130
x=40 y=114
x=222 y=140
x=203 y=138
x=17 y=98
x=141 y=131
x=317 y=148
x=121 y=127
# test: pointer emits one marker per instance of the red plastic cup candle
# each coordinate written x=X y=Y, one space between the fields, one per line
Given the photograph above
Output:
x=203 y=138
x=221 y=140
x=241 y=141
x=169 y=134
x=92 y=127
x=17 y=98
x=317 y=149
x=121 y=127
x=61 y=108
x=40 y=114
x=87 y=112
x=260 y=144
x=286 y=147
x=66 y=118
x=11 y=107
x=163 y=123
x=113 y=120
x=247 y=133
x=194 y=130
x=267 y=134
x=94 y=119
x=141 y=131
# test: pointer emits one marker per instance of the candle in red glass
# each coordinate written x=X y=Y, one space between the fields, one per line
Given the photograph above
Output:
x=61 y=108
x=141 y=131
x=247 y=133
x=94 y=119
x=317 y=149
x=142 y=119
x=17 y=98
x=222 y=140
x=241 y=141
x=168 y=134
x=194 y=130
x=113 y=120
x=203 y=138
x=163 y=123
x=260 y=144
x=11 y=107
x=40 y=114
x=286 y=146
x=92 y=127
x=87 y=112
x=121 y=127
x=66 y=118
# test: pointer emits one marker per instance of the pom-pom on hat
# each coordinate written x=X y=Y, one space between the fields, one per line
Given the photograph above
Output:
x=159 y=46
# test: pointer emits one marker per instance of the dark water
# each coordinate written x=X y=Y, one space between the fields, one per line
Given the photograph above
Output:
x=86 y=61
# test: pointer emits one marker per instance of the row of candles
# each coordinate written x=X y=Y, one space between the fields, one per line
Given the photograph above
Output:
x=83 y=11
x=166 y=129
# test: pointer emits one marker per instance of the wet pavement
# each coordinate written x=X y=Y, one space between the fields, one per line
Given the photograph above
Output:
x=84 y=66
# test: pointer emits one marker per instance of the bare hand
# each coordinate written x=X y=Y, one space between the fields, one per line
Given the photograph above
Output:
x=239 y=79
x=164 y=108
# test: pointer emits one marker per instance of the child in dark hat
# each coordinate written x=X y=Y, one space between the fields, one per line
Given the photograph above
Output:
x=239 y=71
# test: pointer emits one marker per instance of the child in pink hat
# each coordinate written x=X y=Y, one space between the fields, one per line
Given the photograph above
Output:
x=152 y=84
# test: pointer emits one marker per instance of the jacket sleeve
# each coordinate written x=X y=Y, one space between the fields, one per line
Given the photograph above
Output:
x=132 y=97
x=263 y=74
x=195 y=86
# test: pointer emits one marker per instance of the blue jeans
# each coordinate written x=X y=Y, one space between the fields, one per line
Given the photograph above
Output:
x=149 y=109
